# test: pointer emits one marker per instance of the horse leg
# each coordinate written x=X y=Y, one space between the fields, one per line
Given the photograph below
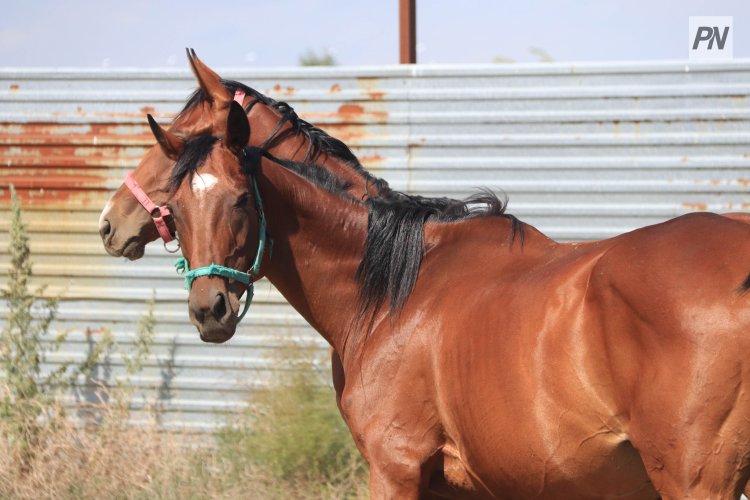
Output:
x=395 y=481
x=402 y=459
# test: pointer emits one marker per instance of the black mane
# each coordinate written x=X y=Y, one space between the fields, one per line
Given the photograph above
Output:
x=394 y=247
x=319 y=140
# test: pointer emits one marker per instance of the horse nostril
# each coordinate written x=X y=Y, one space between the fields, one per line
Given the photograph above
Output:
x=199 y=315
x=219 y=306
x=104 y=229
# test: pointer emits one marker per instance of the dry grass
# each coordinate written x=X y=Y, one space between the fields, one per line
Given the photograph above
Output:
x=112 y=459
x=117 y=460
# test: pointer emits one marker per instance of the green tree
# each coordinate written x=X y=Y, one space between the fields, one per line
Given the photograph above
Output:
x=312 y=58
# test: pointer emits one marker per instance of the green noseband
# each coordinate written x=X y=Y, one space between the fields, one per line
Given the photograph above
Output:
x=183 y=267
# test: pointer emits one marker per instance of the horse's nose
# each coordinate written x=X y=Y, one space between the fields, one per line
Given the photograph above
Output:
x=104 y=229
x=219 y=306
x=211 y=313
x=211 y=307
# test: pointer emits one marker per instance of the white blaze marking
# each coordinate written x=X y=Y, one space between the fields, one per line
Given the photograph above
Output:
x=203 y=182
x=106 y=210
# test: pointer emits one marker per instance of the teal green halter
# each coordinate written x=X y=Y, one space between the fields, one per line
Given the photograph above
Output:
x=248 y=279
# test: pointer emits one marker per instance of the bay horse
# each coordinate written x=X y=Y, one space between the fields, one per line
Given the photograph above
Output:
x=124 y=225
x=478 y=357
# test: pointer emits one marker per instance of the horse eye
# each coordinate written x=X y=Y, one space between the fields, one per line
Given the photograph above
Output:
x=242 y=200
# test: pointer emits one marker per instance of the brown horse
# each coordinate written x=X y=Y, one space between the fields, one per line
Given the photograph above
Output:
x=479 y=357
x=125 y=226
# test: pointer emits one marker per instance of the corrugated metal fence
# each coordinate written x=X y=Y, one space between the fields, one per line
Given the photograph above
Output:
x=583 y=152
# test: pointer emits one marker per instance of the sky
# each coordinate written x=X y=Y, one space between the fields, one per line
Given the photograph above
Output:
x=250 y=33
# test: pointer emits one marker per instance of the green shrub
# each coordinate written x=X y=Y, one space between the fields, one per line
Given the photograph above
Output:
x=26 y=392
x=293 y=431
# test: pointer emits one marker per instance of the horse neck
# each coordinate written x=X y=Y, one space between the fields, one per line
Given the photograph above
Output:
x=263 y=122
x=319 y=239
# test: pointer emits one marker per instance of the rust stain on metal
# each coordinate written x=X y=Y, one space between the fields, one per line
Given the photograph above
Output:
x=287 y=91
x=53 y=198
x=14 y=87
x=335 y=88
x=80 y=112
x=56 y=200
x=698 y=207
x=345 y=132
x=376 y=95
x=94 y=134
x=58 y=166
x=72 y=181
x=351 y=109
x=743 y=182
x=372 y=160
x=148 y=110
x=70 y=157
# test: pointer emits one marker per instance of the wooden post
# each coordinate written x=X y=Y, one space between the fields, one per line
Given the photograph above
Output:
x=408 y=31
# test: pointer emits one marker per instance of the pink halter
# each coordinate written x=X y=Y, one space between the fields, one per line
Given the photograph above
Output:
x=153 y=208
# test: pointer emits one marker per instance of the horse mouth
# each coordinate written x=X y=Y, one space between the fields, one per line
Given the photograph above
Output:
x=216 y=332
x=216 y=337
x=133 y=249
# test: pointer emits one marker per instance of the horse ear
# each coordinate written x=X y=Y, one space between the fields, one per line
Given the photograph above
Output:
x=238 y=128
x=169 y=142
x=209 y=81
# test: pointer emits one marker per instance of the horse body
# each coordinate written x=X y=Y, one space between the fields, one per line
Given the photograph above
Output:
x=500 y=412
x=558 y=371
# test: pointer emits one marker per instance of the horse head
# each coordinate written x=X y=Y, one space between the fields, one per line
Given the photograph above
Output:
x=135 y=215
x=218 y=215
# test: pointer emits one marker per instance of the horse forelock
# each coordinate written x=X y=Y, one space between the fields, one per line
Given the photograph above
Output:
x=192 y=157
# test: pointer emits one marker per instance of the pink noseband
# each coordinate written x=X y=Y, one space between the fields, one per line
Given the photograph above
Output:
x=157 y=213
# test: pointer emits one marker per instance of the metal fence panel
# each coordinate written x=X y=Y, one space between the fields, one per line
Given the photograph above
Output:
x=582 y=151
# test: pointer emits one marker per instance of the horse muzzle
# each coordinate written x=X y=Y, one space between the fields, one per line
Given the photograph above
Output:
x=212 y=313
x=132 y=248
